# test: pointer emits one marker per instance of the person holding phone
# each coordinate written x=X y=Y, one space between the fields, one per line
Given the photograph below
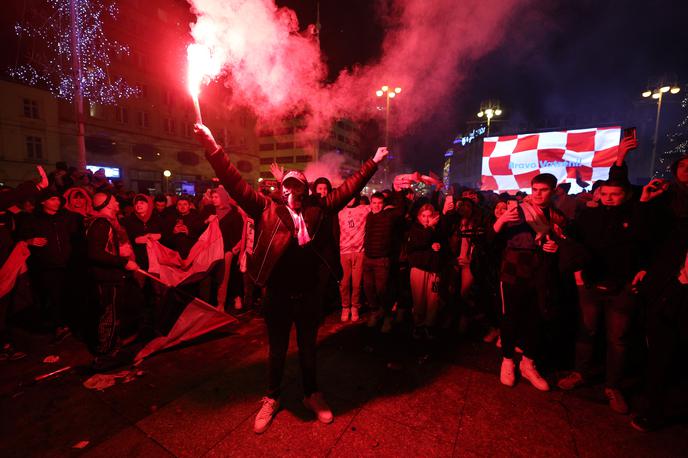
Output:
x=529 y=232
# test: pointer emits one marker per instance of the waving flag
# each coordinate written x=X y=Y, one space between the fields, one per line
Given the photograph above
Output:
x=573 y=156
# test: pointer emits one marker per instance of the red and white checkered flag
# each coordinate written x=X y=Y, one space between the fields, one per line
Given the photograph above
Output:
x=510 y=162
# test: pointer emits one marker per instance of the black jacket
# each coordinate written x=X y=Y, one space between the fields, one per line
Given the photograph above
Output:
x=385 y=231
x=274 y=224
x=419 y=248
x=136 y=227
x=105 y=264
x=609 y=235
x=62 y=230
x=180 y=242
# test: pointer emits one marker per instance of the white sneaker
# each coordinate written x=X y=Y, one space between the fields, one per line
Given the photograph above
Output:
x=316 y=403
x=345 y=314
x=265 y=414
x=507 y=374
x=530 y=373
x=354 y=314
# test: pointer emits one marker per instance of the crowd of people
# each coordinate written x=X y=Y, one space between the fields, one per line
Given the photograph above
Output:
x=574 y=289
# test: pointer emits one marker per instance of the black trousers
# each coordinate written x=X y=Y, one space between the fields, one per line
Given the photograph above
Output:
x=667 y=344
x=521 y=319
x=281 y=311
x=109 y=301
x=52 y=287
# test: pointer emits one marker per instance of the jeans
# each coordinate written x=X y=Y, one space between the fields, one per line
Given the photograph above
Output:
x=376 y=283
x=350 y=286
x=616 y=311
x=281 y=311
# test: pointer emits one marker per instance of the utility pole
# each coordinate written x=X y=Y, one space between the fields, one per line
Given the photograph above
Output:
x=78 y=95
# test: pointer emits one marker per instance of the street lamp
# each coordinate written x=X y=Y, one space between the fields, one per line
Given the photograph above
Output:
x=167 y=174
x=657 y=94
x=489 y=111
x=389 y=94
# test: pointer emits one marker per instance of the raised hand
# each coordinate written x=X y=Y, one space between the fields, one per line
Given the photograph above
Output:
x=205 y=137
x=654 y=188
x=625 y=145
x=380 y=154
x=277 y=171
x=44 y=178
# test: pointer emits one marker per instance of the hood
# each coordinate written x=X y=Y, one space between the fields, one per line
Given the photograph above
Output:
x=88 y=207
x=148 y=199
x=225 y=202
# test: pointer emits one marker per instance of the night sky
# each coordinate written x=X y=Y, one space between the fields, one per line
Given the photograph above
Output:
x=558 y=57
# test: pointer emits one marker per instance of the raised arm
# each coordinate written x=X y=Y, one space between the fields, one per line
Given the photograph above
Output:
x=340 y=196
x=250 y=201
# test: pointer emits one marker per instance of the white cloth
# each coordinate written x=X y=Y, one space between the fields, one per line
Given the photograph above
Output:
x=300 y=226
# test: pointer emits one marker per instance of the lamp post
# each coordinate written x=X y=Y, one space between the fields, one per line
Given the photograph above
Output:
x=167 y=174
x=389 y=94
x=657 y=94
x=489 y=111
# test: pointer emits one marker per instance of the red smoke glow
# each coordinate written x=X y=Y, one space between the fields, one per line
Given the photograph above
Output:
x=276 y=69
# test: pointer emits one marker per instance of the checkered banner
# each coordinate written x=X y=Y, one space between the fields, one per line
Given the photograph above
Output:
x=573 y=156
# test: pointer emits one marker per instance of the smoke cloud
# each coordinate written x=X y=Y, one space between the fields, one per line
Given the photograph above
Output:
x=274 y=65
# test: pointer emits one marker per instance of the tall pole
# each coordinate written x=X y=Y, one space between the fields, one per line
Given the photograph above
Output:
x=488 y=126
x=387 y=138
x=654 y=146
x=78 y=95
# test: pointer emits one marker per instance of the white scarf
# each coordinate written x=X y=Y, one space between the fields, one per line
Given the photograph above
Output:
x=300 y=226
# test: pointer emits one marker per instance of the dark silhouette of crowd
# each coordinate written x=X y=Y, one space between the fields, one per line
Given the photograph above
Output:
x=576 y=290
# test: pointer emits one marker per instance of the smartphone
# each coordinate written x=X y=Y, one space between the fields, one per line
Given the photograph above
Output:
x=511 y=204
x=629 y=132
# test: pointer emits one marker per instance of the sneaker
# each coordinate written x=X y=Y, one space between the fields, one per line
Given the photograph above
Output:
x=354 y=314
x=507 y=374
x=530 y=373
x=345 y=314
x=316 y=403
x=616 y=400
x=9 y=353
x=491 y=335
x=645 y=424
x=571 y=381
x=265 y=414
x=386 y=325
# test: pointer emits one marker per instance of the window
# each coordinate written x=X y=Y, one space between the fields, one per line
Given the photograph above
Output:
x=169 y=98
x=267 y=147
x=96 y=110
x=31 y=108
x=169 y=126
x=285 y=160
x=187 y=129
x=122 y=115
x=266 y=160
x=304 y=158
x=285 y=145
x=143 y=120
x=34 y=147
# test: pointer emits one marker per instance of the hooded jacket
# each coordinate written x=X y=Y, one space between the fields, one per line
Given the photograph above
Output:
x=137 y=226
x=274 y=224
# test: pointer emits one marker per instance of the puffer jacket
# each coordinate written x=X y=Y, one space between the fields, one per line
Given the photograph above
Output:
x=274 y=224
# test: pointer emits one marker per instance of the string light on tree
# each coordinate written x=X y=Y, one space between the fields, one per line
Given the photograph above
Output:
x=51 y=41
